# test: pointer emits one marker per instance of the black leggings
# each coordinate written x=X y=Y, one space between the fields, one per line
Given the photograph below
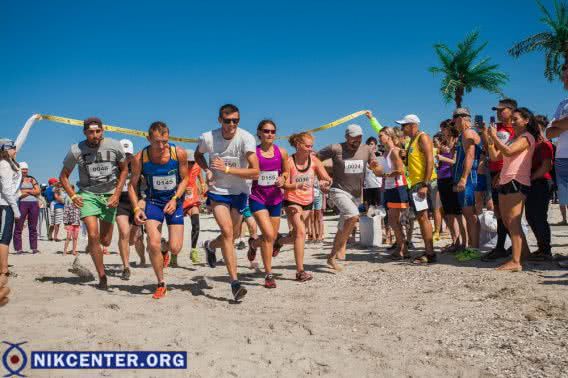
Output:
x=194 y=230
x=536 y=209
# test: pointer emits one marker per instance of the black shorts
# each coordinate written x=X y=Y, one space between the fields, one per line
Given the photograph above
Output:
x=287 y=203
x=449 y=198
x=372 y=196
x=125 y=207
x=513 y=187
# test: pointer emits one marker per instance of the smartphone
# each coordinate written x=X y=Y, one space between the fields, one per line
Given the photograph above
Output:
x=492 y=120
x=478 y=120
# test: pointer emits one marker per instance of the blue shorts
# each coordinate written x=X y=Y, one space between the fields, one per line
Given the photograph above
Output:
x=273 y=210
x=235 y=201
x=561 y=167
x=6 y=224
x=318 y=201
x=155 y=211
x=396 y=198
x=467 y=197
x=481 y=183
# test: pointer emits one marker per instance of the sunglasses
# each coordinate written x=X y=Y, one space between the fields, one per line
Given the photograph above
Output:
x=308 y=145
x=268 y=131
x=234 y=121
x=460 y=116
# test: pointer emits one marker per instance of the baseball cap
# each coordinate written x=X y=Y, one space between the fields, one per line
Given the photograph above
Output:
x=24 y=165
x=353 y=130
x=6 y=144
x=190 y=154
x=52 y=181
x=462 y=111
x=92 y=121
x=127 y=145
x=410 y=118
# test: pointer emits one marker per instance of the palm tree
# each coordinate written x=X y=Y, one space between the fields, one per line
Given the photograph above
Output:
x=554 y=42
x=462 y=73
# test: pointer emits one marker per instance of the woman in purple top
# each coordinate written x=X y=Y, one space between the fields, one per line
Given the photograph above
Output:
x=265 y=201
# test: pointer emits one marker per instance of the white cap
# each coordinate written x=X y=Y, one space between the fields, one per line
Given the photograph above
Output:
x=24 y=165
x=190 y=154
x=353 y=130
x=127 y=145
x=410 y=118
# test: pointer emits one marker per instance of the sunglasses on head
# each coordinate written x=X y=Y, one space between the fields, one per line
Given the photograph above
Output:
x=234 y=121
x=268 y=131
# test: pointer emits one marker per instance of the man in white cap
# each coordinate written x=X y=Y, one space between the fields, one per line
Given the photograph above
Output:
x=422 y=179
x=350 y=161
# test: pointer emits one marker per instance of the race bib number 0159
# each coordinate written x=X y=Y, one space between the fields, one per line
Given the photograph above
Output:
x=353 y=166
x=267 y=178
x=102 y=169
x=164 y=182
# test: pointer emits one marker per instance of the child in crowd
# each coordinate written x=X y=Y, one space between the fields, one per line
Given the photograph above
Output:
x=72 y=222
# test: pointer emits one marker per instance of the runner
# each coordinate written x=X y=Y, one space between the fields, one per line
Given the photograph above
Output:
x=195 y=188
x=468 y=150
x=265 y=200
x=232 y=160
x=506 y=133
x=396 y=193
x=164 y=167
x=102 y=174
x=515 y=180
x=422 y=180
x=125 y=215
x=29 y=208
x=350 y=161
x=299 y=196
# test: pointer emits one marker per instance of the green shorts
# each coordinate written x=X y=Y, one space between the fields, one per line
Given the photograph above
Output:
x=96 y=205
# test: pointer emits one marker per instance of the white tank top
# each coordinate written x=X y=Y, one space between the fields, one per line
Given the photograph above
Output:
x=392 y=182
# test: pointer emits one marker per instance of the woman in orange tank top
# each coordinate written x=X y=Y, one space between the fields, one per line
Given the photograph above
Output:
x=299 y=196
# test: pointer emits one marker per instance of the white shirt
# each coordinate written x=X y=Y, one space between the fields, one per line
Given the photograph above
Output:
x=562 y=144
x=371 y=179
x=234 y=154
x=10 y=181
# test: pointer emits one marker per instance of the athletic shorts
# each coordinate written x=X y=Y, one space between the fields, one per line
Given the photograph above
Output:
x=561 y=167
x=431 y=197
x=235 y=201
x=287 y=203
x=481 y=185
x=155 y=211
x=467 y=197
x=346 y=203
x=372 y=196
x=96 y=205
x=125 y=208
x=396 y=198
x=449 y=198
x=513 y=187
x=6 y=224
x=246 y=213
x=273 y=210
x=318 y=201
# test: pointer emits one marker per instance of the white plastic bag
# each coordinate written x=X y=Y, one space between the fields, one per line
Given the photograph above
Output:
x=370 y=231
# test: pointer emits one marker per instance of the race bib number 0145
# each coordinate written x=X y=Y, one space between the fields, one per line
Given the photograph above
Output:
x=102 y=169
x=164 y=182
x=353 y=166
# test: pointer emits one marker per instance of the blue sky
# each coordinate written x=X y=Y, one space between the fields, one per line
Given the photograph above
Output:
x=302 y=64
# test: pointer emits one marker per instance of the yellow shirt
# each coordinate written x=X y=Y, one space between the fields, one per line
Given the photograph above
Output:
x=416 y=163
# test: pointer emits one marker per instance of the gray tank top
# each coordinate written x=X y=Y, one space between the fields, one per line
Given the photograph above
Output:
x=27 y=185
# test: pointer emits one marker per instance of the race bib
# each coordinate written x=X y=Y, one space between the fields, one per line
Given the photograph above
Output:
x=354 y=166
x=164 y=182
x=101 y=169
x=267 y=178
x=189 y=193
x=303 y=179
x=231 y=162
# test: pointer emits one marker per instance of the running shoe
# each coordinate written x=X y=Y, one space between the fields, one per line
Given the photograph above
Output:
x=125 y=274
x=303 y=276
x=238 y=290
x=194 y=256
x=251 y=254
x=540 y=256
x=269 y=282
x=103 y=284
x=174 y=261
x=166 y=259
x=36 y=251
x=211 y=258
x=161 y=291
x=496 y=253
x=276 y=246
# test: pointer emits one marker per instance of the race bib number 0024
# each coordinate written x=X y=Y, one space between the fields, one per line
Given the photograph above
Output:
x=353 y=166
x=102 y=169
x=267 y=178
x=164 y=182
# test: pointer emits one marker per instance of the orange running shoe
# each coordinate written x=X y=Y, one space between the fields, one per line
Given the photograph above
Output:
x=166 y=257
x=161 y=291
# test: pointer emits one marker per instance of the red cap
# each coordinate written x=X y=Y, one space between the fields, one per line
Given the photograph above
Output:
x=52 y=181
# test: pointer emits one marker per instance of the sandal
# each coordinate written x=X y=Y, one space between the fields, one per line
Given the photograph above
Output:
x=303 y=276
x=425 y=259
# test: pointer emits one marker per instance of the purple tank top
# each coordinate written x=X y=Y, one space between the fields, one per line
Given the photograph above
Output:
x=445 y=169
x=264 y=190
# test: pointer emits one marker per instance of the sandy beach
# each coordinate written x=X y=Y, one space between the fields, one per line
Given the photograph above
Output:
x=376 y=318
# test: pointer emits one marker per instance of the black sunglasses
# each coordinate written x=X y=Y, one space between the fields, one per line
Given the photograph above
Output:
x=460 y=116
x=229 y=121
x=268 y=131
